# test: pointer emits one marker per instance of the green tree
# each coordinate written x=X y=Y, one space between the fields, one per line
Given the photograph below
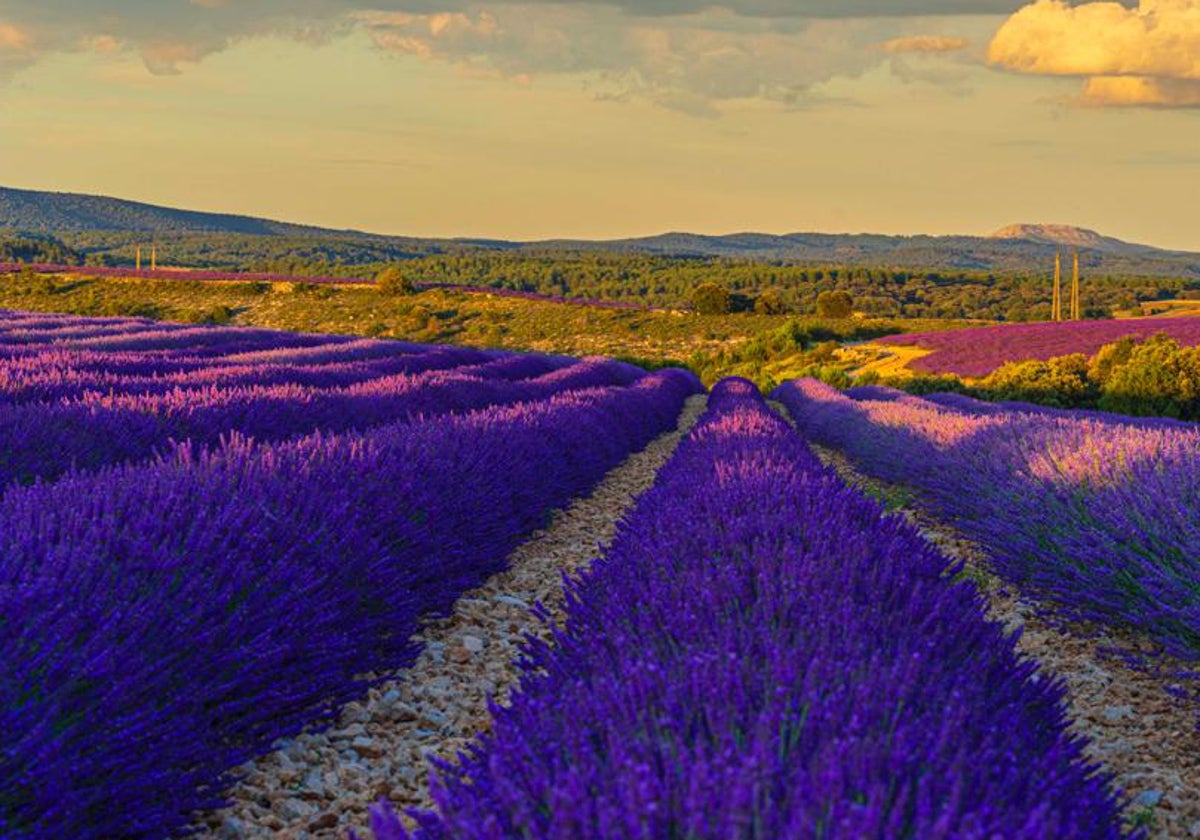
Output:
x=771 y=302
x=835 y=304
x=711 y=299
x=1061 y=381
x=394 y=282
x=1160 y=377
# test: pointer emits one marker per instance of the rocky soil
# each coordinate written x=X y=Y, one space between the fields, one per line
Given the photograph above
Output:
x=1147 y=737
x=321 y=784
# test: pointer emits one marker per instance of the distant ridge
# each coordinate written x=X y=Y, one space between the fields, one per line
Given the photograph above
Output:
x=51 y=212
x=1069 y=236
x=1016 y=248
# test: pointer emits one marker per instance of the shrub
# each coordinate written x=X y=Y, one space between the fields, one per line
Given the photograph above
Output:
x=1062 y=381
x=711 y=299
x=771 y=302
x=213 y=315
x=835 y=305
x=393 y=282
x=1160 y=377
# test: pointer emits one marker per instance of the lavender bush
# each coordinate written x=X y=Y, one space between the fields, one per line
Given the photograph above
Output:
x=763 y=654
x=160 y=624
x=1098 y=515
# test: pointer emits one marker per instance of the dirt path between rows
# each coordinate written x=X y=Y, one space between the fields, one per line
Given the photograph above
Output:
x=320 y=785
x=1137 y=729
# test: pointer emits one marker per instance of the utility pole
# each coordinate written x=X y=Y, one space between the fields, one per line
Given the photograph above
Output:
x=1076 y=307
x=139 y=258
x=1056 y=306
x=154 y=258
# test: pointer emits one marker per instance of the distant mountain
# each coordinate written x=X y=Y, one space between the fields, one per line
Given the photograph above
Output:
x=97 y=224
x=49 y=212
x=1071 y=237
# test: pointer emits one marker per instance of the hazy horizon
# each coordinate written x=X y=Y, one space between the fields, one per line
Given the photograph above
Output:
x=438 y=118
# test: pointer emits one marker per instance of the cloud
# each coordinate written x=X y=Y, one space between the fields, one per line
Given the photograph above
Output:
x=689 y=63
x=171 y=33
x=1131 y=91
x=12 y=38
x=1148 y=55
x=689 y=55
x=924 y=44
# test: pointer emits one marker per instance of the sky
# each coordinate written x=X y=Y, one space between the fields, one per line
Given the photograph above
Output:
x=544 y=119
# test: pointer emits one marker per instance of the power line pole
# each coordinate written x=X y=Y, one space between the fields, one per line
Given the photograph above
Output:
x=1056 y=306
x=1076 y=303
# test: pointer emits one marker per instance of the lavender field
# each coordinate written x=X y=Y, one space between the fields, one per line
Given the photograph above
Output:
x=218 y=543
x=186 y=593
x=1094 y=512
x=978 y=351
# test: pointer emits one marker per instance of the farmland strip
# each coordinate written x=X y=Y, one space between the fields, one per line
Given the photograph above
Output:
x=163 y=624
x=44 y=441
x=320 y=784
x=1101 y=518
x=763 y=654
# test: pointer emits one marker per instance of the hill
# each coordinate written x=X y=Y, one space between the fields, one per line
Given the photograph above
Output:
x=102 y=226
x=1069 y=237
x=51 y=212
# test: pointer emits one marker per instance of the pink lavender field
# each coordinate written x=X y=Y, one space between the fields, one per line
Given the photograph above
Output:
x=978 y=351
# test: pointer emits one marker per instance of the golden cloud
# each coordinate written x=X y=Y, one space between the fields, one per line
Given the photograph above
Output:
x=1149 y=55
x=1133 y=91
x=925 y=44
x=12 y=38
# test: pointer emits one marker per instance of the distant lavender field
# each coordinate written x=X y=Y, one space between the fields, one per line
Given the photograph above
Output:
x=978 y=351
x=252 y=277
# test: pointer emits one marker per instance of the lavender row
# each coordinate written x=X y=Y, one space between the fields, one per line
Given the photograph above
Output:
x=763 y=654
x=234 y=350
x=1099 y=516
x=55 y=375
x=969 y=405
x=44 y=441
x=165 y=623
x=117 y=334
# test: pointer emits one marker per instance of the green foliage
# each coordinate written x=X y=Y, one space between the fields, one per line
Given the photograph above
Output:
x=1153 y=377
x=321 y=291
x=392 y=281
x=35 y=248
x=924 y=383
x=767 y=349
x=255 y=288
x=930 y=287
x=29 y=282
x=771 y=302
x=1061 y=381
x=213 y=315
x=1158 y=378
x=711 y=299
x=835 y=304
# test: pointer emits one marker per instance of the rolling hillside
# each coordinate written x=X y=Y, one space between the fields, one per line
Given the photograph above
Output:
x=97 y=224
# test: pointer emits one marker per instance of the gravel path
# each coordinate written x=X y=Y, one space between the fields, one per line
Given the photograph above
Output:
x=1146 y=737
x=320 y=785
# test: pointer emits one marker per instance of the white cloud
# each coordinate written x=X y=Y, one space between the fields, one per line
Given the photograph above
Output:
x=1148 y=55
